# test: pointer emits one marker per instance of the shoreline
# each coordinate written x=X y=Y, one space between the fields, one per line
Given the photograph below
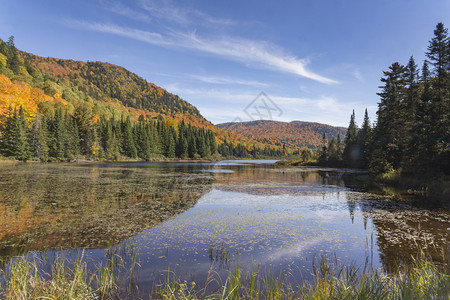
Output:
x=430 y=191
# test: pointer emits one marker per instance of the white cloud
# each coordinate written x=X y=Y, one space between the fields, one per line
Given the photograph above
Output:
x=256 y=53
x=358 y=75
x=120 y=9
x=226 y=80
x=261 y=54
x=224 y=105
x=164 y=9
x=141 y=35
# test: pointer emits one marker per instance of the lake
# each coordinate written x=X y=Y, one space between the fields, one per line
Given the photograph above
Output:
x=198 y=218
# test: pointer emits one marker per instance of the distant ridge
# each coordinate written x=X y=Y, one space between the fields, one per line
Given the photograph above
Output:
x=295 y=134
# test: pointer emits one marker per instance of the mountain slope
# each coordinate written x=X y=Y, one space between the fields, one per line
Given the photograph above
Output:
x=104 y=81
x=108 y=91
x=294 y=135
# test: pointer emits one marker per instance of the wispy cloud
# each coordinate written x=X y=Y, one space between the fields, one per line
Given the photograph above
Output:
x=166 y=10
x=226 y=80
x=255 y=53
x=140 y=35
x=358 y=75
x=120 y=9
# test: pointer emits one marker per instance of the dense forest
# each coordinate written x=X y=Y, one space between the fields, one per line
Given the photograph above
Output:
x=293 y=135
x=66 y=137
x=411 y=135
x=55 y=109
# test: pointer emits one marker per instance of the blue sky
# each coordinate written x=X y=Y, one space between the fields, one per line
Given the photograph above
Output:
x=315 y=60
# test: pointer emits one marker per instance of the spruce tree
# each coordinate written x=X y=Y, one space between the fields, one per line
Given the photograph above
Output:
x=38 y=138
x=128 y=142
x=439 y=56
x=57 y=131
x=391 y=132
x=323 y=154
x=22 y=147
x=8 y=137
x=352 y=151
x=364 y=139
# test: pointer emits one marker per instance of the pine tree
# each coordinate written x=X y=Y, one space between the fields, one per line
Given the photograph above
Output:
x=112 y=151
x=8 y=137
x=94 y=148
x=439 y=56
x=13 y=62
x=323 y=154
x=364 y=140
x=128 y=143
x=23 y=151
x=438 y=51
x=57 y=131
x=38 y=138
x=14 y=142
x=421 y=145
x=352 y=151
x=390 y=133
x=412 y=92
x=171 y=137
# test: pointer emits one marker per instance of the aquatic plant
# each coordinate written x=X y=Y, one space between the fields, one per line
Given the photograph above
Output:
x=24 y=279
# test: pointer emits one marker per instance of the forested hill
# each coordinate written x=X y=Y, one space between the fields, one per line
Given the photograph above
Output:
x=61 y=109
x=105 y=81
x=294 y=135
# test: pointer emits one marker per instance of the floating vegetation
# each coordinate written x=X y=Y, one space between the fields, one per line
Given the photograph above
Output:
x=58 y=206
x=213 y=229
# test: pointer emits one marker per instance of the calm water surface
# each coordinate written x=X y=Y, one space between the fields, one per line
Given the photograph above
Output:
x=194 y=217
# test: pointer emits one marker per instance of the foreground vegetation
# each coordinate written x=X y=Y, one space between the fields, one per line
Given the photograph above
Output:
x=23 y=279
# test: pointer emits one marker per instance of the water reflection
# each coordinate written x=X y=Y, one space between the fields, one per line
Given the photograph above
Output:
x=48 y=206
x=226 y=213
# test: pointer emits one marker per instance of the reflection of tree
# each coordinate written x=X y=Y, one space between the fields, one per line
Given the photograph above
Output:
x=269 y=177
x=403 y=231
x=66 y=206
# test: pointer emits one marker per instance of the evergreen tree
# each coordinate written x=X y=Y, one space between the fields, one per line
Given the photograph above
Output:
x=439 y=56
x=128 y=143
x=57 y=132
x=364 y=140
x=13 y=62
x=94 y=149
x=38 y=138
x=352 y=151
x=323 y=154
x=22 y=151
x=8 y=137
x=112 y=149
x=390 y=133
x=14 y=139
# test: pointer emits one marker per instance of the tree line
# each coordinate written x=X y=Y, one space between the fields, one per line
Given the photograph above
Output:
x=412 y=132
x=64 y=136
x=229 y=149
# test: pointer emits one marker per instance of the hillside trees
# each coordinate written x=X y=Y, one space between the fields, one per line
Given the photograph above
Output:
x=79 y=109
x=57 y=138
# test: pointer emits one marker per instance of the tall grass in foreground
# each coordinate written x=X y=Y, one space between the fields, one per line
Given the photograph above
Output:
x=421 y=281
x=23 y=280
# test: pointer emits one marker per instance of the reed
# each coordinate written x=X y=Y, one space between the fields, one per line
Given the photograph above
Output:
x=24 y=279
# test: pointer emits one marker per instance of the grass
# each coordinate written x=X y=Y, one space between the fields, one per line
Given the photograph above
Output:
x=116 y=279
x=25 y=278
x=331 y=281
